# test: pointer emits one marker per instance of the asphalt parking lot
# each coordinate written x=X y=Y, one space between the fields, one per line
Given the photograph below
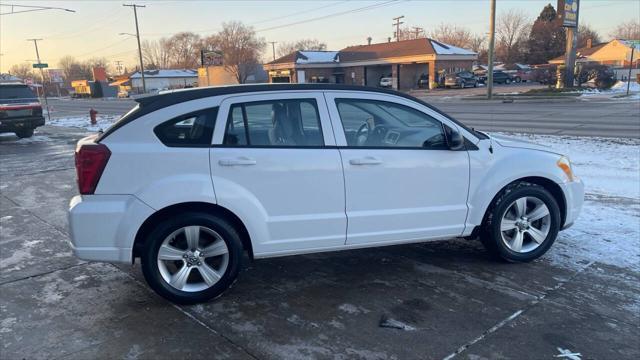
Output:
x=439 y=300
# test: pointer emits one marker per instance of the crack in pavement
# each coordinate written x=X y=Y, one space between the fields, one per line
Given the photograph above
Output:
x=61 y=231
x=188 y=314
x=515 y=315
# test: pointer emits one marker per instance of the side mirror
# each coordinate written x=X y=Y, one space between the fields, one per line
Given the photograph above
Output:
x=455 y=141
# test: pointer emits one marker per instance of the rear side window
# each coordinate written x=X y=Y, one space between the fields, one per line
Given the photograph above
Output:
x=274 y=123
x=191 y=130
x=16 y=92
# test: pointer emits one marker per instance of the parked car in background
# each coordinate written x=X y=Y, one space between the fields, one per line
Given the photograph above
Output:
x=191 y=180
x=423 y=81
x=544 y=75
x=460 y=79
x=20 y=110
x=520 y=75
x=499 y=77
x=386 y=82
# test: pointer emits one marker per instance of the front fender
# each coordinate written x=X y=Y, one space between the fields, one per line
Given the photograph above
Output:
x=491 y=173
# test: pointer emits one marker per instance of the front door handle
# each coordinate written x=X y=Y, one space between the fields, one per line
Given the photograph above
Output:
x=367 y=160
x=241 y=161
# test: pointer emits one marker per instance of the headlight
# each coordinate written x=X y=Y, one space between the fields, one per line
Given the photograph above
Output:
x=565 y=164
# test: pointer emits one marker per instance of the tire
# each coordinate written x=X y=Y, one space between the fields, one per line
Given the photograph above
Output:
x=517 y=80
x=507 y=81
x=462 y=85
x=475 y=84
x=24 y=133
x=213 y=231
x=502 y=243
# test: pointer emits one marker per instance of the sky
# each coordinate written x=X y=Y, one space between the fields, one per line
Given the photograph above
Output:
x=93 y=30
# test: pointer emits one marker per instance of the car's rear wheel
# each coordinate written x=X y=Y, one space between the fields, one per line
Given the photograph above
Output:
x=192 y=258
x=507 y=81
x=517 y=79
x=24 y=133
x=522 y=224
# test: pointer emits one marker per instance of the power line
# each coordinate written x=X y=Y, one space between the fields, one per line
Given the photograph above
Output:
x=364 y=8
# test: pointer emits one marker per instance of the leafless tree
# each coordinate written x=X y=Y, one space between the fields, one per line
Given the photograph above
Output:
x=629 y=30
x=184 y=48
x=22 y=70
x=452 y=35
x=241 y=48
x=287 y=48
x=477 y=43
x=156 y=53
x=512 y=27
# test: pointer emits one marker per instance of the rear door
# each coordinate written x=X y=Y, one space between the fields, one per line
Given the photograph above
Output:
x=274 y=164
x=402 y=182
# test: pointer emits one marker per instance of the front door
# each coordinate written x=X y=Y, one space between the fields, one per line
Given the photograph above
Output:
x=271 y=166
x=402 y=182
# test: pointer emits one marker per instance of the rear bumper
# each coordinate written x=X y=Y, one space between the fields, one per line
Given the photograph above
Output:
x=19 y=123
x=104 y=227
x=574 y=196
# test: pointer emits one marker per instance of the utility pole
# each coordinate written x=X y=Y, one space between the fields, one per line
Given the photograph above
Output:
x=417 y=30
x=397 y=24
x=44 y=91
x=273 y=48
x=135 y=15
x=633 y=47
x=570 y=56
x=119 y=66
x=492 y=40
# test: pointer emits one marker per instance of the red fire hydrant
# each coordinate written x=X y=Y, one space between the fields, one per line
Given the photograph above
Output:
x=92 y=114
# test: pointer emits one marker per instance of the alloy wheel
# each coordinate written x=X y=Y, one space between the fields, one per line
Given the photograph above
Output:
x=525 y=224
x=193 y=258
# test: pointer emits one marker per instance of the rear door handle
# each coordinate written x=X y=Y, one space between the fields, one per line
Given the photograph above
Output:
x=367 y=160
x=241 y=161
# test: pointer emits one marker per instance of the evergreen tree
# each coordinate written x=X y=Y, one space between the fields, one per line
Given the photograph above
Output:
x=547 y=38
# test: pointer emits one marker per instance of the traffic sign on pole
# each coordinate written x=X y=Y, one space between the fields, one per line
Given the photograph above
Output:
x=40 y=66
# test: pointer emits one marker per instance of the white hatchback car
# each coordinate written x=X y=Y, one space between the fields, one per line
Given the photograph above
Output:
x=189 y=180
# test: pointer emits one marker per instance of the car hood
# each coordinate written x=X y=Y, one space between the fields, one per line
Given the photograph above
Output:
x=508 y=141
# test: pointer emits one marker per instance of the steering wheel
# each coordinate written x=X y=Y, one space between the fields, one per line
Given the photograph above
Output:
x=362 y=135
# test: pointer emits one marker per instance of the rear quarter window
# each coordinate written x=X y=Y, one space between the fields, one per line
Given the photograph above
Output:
x=190 y=130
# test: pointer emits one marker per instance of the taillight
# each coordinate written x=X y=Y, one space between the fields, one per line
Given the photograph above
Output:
x=91 y=159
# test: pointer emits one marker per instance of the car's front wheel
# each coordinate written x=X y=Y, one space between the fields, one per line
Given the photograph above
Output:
x=522 y=224
x=192 y=258
x=24 y=133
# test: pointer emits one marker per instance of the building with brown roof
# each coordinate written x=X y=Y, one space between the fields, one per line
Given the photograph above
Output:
x=408 y=63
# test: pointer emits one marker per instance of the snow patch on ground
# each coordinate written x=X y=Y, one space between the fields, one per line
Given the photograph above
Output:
x=84 y=122
x=608 y=167
x=619 y=88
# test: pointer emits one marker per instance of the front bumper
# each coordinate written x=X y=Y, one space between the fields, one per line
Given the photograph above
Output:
x=104 y=227
x=19 y=123
x=574 y=196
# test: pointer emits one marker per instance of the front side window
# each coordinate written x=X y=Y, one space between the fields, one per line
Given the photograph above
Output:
x=373 y=123
x=274 y=123
x=190 y=130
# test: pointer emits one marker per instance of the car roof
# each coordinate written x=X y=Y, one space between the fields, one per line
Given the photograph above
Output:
x=151 y=103
x=167 y=98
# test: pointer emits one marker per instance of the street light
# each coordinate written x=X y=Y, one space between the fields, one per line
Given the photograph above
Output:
x=30 y=8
